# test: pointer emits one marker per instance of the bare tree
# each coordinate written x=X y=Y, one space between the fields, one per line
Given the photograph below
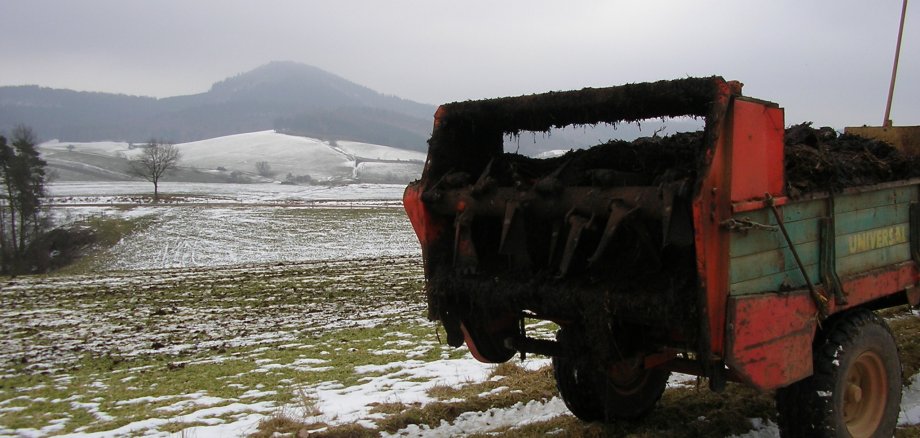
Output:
x=264 y=169
x=155 y=160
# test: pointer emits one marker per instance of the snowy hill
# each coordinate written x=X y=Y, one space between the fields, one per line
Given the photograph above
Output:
x=289 y=97
x=233 y=158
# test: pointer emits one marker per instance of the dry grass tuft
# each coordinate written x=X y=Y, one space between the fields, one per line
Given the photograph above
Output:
x=284 y=424
x=390 y=408
x=344 y=431
x=522 y=386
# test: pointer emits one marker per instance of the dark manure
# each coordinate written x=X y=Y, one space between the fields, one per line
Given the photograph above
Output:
x=819 y=160
x=816 y=160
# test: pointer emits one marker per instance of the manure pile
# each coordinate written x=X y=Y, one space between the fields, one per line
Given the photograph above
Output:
x=820 y=160
x=816 y=160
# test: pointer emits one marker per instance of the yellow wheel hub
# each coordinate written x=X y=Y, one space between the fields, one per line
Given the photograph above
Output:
x=865 y=394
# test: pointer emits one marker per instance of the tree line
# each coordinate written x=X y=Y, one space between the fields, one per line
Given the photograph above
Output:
x=22 y=172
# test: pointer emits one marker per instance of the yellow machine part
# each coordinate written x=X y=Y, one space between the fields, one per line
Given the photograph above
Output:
x=905 y=138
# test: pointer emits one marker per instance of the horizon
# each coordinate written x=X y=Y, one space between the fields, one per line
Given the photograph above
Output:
x=826 y=62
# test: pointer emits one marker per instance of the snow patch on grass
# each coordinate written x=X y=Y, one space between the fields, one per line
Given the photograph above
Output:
x=519 y=414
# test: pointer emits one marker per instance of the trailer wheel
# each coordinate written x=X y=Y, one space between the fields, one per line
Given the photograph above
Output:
x=855 y=390
x=619 y=393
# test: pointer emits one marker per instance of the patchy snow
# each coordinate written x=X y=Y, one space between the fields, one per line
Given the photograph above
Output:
x=343 y=405
x=196 y=399
x=92 y=408
x=63 y=325
x=244 y=425
x=125 y=192
x=232 y=224
x=378 y=152
x=182 y=237
x=401 y=382
x=760 y=429
x=467 y=423
x=910 y=403
x=217 y=426
x=109 y=148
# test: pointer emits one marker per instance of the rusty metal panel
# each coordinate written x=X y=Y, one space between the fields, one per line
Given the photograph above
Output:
x=913 y=296
x=426 y=228
x=769 y=335
x=711 y=206
x=878 y=283
x=757 y=149
x=769 y=338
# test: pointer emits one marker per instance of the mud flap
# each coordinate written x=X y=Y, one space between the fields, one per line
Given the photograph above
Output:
x=486 y=339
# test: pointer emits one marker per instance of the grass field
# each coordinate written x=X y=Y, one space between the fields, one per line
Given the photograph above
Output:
x=336 y=348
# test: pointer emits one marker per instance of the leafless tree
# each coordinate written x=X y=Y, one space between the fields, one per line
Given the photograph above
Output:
x=155 y=160
x=264 y=169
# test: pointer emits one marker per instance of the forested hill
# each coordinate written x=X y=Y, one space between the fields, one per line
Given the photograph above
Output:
x=285 y=96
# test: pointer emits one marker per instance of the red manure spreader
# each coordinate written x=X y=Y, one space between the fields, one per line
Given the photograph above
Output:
x=744 y=252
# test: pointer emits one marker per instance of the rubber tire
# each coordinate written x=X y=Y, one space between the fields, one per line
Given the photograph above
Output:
x=592 y=395
x=814 y=407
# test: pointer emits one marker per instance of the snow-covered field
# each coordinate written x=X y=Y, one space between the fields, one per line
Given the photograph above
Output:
x=194 y=236
x=340 y=336
x=321 y=160
x=64 y=193
x=239 y=305
x=204 y=225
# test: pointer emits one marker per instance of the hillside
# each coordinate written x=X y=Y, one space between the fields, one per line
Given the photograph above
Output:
x=233 y=158
x=284 y=96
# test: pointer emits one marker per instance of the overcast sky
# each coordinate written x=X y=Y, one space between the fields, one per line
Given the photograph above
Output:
x=825 y=61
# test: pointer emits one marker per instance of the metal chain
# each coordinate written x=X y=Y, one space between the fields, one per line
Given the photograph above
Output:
x=744 y=225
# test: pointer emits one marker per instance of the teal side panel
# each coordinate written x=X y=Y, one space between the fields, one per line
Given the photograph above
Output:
x=862 y=246
x=869 y=218
x=757 y=241
x=872 y=230
x=876 y=258
x=861 y=201
x=761 y=260
x=786 y=280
